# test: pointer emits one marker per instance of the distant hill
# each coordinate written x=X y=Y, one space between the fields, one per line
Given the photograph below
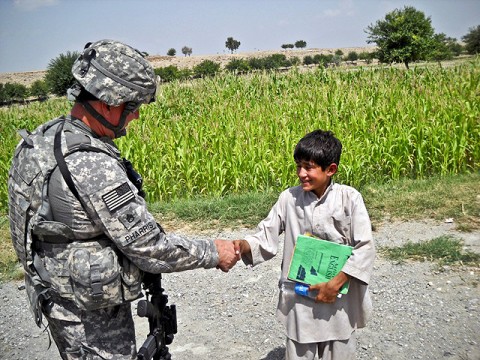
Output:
x=180 y=61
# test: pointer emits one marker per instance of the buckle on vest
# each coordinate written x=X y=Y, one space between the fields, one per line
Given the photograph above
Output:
x=97 y=286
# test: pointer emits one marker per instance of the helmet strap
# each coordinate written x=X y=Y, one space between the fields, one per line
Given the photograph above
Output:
x=117 y=130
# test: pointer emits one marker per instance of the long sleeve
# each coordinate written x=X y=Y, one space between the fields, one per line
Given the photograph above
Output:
x=264 y=243
x=122 y=216
x=360 y=264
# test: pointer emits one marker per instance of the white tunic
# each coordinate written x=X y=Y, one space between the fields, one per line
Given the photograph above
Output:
x=340 y=216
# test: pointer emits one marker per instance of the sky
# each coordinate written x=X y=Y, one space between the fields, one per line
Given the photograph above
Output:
x=33 y=32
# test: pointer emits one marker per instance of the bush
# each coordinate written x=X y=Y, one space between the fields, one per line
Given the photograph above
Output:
x=171 y=73
x=12 y=92
x=337 y=59
x=366 y=56
x=184 y=74
x=59 y=73
x=352 y=56
x=307 y=60
x=256 y=63
x=206 y=68
x=275 y=61
x=321 y=59
x=2 y=94
x=237 y=65
x=168 y=73
x=171 y=52
x=295 y=60
x=39 y=89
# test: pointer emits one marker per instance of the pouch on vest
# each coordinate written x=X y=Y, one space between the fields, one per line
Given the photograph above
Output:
x=96 y=277
x=131 y=280
x=38 y=297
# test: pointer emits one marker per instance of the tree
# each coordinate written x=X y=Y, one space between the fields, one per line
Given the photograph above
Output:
x=13 y=92
x=336 y=59
x=440 y=48
x=59 y=76
x=472 y=40
x=186 y=50
x=300 y=44
x=39 y=89
x=232 y=44
x=404 y=36
x=171 y=52
x=287 y=46
x=366 y=56
x=455 y=47
x=352 y=56
x=308 y=60
x=206 y=68
x=238 y=65
x=168 y=73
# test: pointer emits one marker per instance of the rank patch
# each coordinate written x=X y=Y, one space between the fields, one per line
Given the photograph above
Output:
x=118 y=197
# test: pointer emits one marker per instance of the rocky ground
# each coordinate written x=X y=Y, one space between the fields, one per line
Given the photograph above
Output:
x=421 y=310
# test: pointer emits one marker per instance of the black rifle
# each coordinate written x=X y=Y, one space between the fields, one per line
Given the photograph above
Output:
x=134 y=177
x=162 y=320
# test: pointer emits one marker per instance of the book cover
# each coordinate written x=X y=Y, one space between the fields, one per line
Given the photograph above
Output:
x=315 y=261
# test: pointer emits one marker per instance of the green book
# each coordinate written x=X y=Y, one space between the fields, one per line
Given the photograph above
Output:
x=315 y=261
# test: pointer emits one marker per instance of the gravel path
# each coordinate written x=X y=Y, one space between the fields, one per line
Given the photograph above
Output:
x=421 y=311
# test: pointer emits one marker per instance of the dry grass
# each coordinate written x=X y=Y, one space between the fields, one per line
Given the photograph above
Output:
x=28 y=77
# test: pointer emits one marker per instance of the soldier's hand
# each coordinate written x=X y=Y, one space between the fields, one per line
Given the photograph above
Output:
x=226 y=254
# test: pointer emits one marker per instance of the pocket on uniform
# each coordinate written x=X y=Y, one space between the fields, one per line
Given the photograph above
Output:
x=131 y=280
x=96 y=277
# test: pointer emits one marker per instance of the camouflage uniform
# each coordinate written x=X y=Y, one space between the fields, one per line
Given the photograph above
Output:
x=84 y=259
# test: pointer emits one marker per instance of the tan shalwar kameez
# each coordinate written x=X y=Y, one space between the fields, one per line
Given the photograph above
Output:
x=340 y=216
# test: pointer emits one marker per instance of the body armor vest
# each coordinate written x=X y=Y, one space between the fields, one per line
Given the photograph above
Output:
x=33 y=163
x=93 y=273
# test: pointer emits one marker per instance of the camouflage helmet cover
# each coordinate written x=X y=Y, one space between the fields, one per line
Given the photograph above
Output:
x=115 y=73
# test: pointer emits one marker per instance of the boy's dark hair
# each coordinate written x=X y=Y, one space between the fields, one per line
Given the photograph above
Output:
x=321 y=147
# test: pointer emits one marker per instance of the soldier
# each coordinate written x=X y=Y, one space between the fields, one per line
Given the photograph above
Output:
x=79 y=223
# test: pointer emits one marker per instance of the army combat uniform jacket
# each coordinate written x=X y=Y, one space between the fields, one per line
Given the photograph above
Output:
x=88 y=252
x=339 y=216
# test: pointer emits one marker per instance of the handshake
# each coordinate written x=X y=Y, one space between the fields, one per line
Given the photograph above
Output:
x=229 y=252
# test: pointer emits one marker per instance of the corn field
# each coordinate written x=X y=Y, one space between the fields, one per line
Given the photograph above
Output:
x=233 y=134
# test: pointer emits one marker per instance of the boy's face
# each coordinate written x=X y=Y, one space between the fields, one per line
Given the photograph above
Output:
x=313 y=178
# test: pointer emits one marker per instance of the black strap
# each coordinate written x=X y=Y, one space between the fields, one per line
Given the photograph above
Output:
x=118 y=130
x=62 y=165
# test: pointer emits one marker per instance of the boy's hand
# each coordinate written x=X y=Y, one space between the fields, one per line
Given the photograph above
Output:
x=242 y=247
x=327 y=292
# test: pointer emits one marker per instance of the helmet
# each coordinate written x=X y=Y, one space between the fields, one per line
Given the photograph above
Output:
x=115 y=73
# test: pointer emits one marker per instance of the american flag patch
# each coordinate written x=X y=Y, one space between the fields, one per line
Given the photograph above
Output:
x=118 y=197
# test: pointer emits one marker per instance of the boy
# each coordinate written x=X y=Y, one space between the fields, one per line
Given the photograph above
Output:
x=324 y=326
